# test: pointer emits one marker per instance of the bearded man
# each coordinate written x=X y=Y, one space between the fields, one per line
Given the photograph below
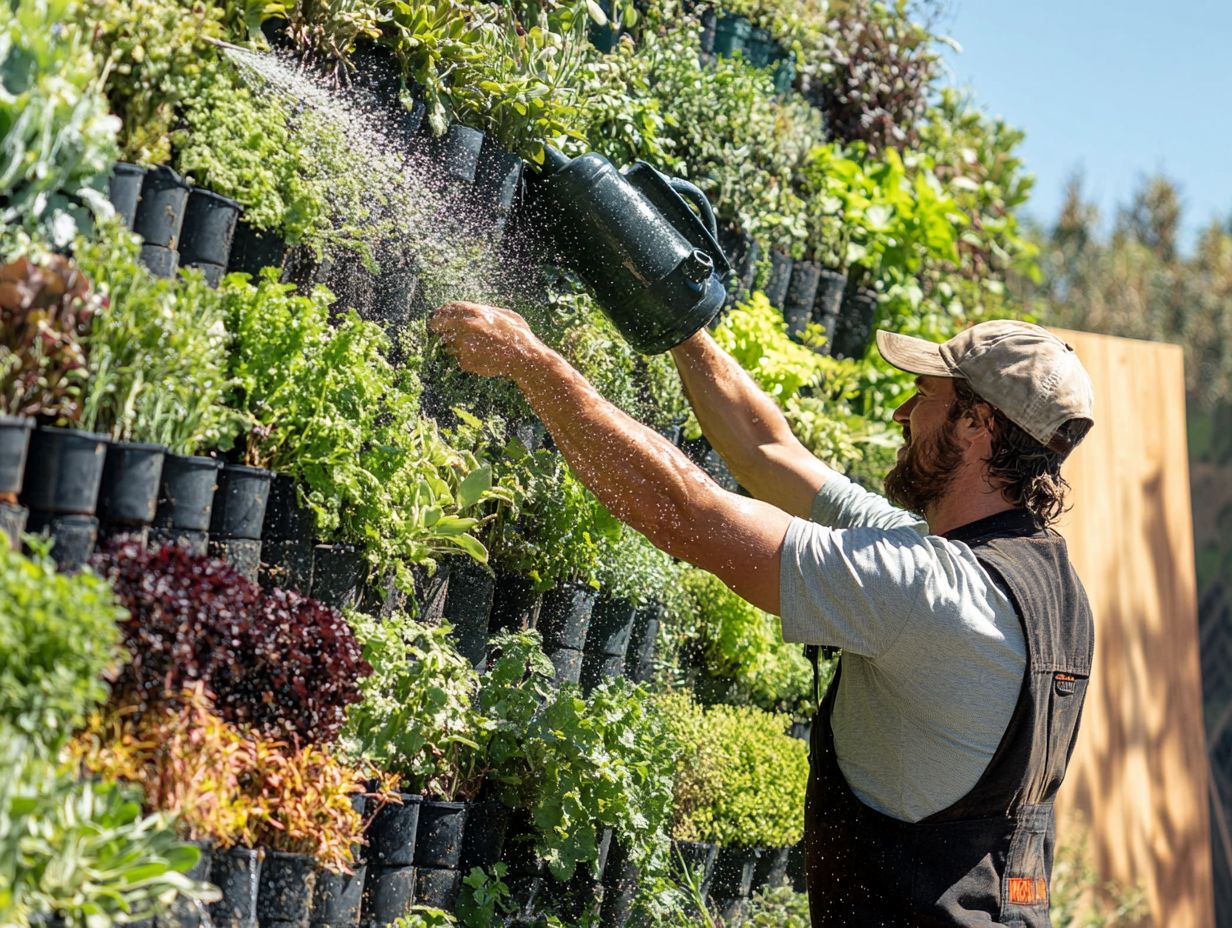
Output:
x=966 y=637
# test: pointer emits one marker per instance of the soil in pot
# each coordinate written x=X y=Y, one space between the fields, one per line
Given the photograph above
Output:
x=780 y=277
x=338 y=575
x=733 y=871
x=639 y=661
x=160 y=212
x=568 y=664
x=456 y=153
x=284 y=897
x=438 y=842
x=437 y=887
x=393 y=831
x=699 y=859
x=599 y=667
x=14 y=448
x=286 y=564
x=854 y=328
x=564 y=617
x=515 y=603
x=771 y=868
x=237 y=873
x=63 y=471
x=209 y=229
x=12 y=524
x=801 y=292
x=186 y=492
x=611 y=627
x=468 y=605
x=483 y=839
x=128 y=493
x=252 y=249
x=337 y=899
x=389 y=893
x=196 y=542
x=239 y=502
x=124 y=190
x=244 y=554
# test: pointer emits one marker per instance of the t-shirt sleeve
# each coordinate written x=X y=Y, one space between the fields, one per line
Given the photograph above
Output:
x=855 y=589
x=842 y=503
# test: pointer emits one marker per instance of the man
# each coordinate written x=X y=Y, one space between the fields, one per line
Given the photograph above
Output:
x=966 y=638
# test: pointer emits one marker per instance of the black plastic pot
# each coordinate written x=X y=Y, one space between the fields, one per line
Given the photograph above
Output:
x=159 y=261
x=483 y=839
x=731 y=910
x=188 y=913
x=209 y=229
x=801 y=292
x=759 y=47
x=252 y=249
x=771 y=868
x=285 y=516
x=457 y=153
x=196 y=542
x=639 y=661
x=213 y=273
x=14 y=448
x=124 y=190
x=696 y=857
x=829 y=299
x=780 y=277
x=599 y=667
x=393 y=831
x=389 y=893
x=186 y=492
x=733 y=871
x=286 y=563
x=337 y=899
x=239 y=502
x=377 y=81
x=12 y=524
x=708 y=30
x=285 y=894
x=702 y=453
x=564 y=617
x=497 y=175
x=742 y=252
x=160 y=212
x=621 y=880
x=468 y=605
x=63 y=470
x=802 y=730
x=237 y=873
x=338 y=575
x=351 y=283
x=110 y=532
x=438 y=843
x=515 y=603
x=128 y=493
x=431 y=592
x=784 y=71
x=854 y=329
x=437 y=887
x=611 y=627
x=578 y=901
x=244 y=554
x=73 y=537
x=568 y=664
x=730 y=34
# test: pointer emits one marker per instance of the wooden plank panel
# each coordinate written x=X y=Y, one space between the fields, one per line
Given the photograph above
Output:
x=1139 y=774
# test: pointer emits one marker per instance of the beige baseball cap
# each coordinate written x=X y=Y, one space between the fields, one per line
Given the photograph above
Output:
x=1024 y=370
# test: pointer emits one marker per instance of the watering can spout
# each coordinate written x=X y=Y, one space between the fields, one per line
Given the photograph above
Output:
x=553 y=160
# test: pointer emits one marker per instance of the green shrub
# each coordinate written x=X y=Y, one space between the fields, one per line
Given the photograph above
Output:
x=57 y=138
x=778 y=907
x=58 y=638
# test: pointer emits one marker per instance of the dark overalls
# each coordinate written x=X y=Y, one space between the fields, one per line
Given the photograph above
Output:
x=987 y=859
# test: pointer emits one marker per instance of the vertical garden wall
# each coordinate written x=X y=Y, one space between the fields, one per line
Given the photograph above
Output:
x=312 y=628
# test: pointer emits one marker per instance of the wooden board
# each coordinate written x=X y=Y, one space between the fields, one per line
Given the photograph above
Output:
x=1139 y=774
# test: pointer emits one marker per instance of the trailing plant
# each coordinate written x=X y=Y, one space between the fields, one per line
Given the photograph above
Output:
x=45 y=310
x=57 y=137
x=82 y=850
x=58 y=638
x=418 y=716
x=156 y=351
x=282 y=663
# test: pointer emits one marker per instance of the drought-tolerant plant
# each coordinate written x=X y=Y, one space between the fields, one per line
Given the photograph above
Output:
x=58 y=638
x=45 y=310
x=282 y=663
x=418 y=717
x=325 y=31
x=156 y=351
x=81 y=849
x=58 y=139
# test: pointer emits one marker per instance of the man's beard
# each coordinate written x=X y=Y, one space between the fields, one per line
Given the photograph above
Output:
x=924 y=474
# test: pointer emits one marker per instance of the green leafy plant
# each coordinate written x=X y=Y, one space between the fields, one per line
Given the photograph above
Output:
x=57 y=138
x=58 y=638
x=778 y=907
x=156 y=351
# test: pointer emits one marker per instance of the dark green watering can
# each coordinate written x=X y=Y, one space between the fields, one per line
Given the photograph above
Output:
x=653 y=263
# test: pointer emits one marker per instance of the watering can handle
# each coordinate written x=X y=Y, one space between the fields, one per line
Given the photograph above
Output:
x=689 y=192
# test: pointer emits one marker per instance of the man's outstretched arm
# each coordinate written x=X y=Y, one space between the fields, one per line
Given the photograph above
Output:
x=641 y=477
x=747 y=428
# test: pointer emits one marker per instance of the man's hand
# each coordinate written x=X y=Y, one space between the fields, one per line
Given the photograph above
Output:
x=486 y=340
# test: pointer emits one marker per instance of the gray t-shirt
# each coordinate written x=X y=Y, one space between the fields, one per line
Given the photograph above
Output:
x=933 y=652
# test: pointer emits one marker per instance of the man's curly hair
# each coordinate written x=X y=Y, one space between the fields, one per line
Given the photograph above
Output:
x=1030 y=473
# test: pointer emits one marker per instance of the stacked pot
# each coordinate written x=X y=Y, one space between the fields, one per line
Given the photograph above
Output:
x=64 y=469
x=237 y=517
x=564 y=620
x=128 y=495
x=14 y=447
x=607 y=641
x=185 y=502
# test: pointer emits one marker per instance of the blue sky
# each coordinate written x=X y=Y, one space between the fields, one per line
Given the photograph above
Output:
x=1117 y=88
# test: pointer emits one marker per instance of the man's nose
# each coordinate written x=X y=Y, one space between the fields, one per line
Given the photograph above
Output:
x=903 y=414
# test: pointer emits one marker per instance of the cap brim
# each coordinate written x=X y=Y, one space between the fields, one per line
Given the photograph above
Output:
x=914 y=355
